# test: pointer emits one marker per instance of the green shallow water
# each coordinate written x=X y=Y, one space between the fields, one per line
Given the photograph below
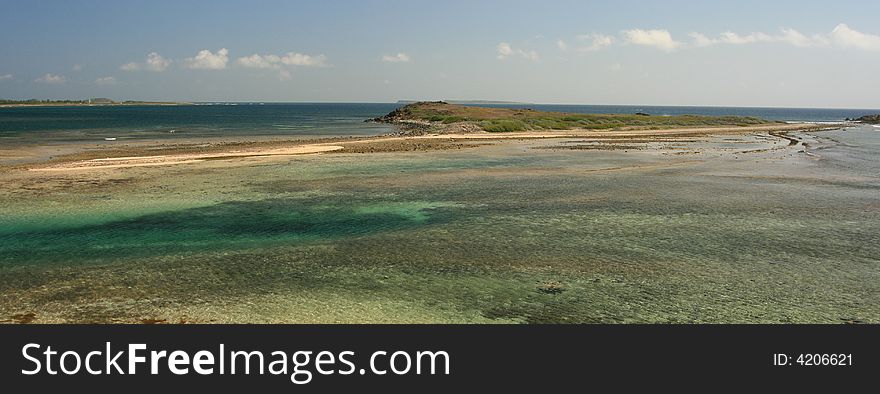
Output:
x=467 y=236
x=226 y=225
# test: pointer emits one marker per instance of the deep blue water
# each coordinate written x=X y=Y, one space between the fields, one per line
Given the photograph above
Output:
x=76 y=124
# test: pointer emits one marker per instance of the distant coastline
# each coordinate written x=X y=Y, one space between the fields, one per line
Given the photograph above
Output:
x=95 y=102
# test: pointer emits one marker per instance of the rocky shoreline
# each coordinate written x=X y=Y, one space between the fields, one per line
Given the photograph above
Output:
x=870 y=119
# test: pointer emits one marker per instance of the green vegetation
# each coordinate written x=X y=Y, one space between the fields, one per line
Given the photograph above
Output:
x=508 y=119
x=503 y=125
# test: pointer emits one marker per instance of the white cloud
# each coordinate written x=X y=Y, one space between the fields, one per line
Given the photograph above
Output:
x=660 y=39
x=5 y=76
x=132 y=66
x=505 y=50
x=260 y=61
x=842 y=36
x=398 y=58
x=154 y=62
x=299 y=59
x=845 y=37
x=561 y=45
x=77 y=67
x=207 y=60
x=730 y=37
x=51 y=79
x=531 y=55
x=275 y=61
x=794 y=37
x=596 y=42
x=700 y=40
x=106 y=81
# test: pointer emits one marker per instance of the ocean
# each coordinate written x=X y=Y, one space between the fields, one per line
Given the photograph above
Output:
x=726 y=229
x=31 y=125
x=36 y=125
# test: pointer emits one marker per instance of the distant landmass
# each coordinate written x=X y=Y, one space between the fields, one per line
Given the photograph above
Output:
x=89 y=101
x=465 y=102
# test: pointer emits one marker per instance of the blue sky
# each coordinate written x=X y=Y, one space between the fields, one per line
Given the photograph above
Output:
x=809 y=54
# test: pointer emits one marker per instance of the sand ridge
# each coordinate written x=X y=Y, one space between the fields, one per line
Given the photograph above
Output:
x=387 y=143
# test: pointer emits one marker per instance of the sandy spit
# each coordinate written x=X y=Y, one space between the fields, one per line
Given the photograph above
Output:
x=305 y=147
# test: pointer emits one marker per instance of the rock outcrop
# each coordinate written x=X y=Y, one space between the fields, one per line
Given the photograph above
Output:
x=872 y=119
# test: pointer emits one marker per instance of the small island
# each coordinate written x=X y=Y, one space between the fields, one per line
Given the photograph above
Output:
x=443 y=117
x=870 y=119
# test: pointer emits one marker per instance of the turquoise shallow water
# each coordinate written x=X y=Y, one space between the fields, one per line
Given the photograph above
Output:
x=776 y=235
x=227 y=225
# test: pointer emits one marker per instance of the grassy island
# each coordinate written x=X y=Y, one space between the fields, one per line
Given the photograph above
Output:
x=442 y=116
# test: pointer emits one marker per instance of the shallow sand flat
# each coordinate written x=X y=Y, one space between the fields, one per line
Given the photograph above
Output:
x=159 y=160
x=385 y=143
x=471 y=235
x=629 y=133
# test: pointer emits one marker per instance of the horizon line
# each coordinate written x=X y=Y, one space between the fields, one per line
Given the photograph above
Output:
x=488 y=102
